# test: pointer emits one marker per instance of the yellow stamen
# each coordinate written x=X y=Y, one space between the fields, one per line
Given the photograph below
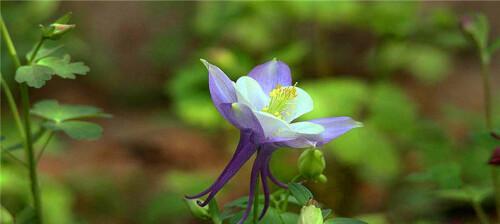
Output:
x=280 y=102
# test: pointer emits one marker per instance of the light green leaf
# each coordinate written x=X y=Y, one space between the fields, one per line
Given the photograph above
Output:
x=26 y=216
x=289 y=218
x=334 y=97
x=213 y=210
x=455 y=194
x=52 y=110
x=34 y=75
x=301 y=193
x=340 y=220
x=79 y=130
x=494 y=46
x=272 y=216
x=43 y=52
x=63 y=67
x=5 y=216
x=64 y=18
x=385 y=102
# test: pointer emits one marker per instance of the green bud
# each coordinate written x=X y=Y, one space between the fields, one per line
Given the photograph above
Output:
x=312 y=164
x=198 y=211
x=58 y=28
x=321 y=178
x=310 y=214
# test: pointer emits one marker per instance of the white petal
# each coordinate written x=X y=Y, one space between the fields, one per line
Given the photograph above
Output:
x=307 y=128
x=248 y=91
x=302 y=104
x=274 y=127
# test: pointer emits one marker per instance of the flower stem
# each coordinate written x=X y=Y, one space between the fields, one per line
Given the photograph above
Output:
x=37 y=48
x=12 y=105
x=483 y=218
x=256 y=203
x=487 y=95
x=287 y=194
x=39 y=156
x=485 y=57
x=495 y=173
x=28 y=144
x=13 y=157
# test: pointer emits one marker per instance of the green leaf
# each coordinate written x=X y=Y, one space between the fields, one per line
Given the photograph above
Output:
x=43 y=52
x=344 y=221
x=370 y=150
x=301 y=193
x=79 y=130
x=289 y=218
x=65 y=18
x=494 y=46
x=63 y=67
x=272 y=216
x=326 y=212
x=213 y=210
x=26 y=216
x=34 y=139
x=336 y=96
x=5 y=216
x=52 y=110
x=455 y=194
x=34 y=75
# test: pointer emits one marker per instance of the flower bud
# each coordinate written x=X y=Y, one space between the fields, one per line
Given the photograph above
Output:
x=312 y=164
x=495 y=157
x=60 y=29
x=466 y=24
x=310 y=214
x=198 y=211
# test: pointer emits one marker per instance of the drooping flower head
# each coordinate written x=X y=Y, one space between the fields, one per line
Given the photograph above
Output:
x=263 y=106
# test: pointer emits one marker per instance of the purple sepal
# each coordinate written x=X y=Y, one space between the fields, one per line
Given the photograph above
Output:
x=246 y=148
x=242 y=117
x=221 y=87
x=334 y=127
x=271 y=74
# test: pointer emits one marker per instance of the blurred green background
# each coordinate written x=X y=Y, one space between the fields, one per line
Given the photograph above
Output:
x=403 y=69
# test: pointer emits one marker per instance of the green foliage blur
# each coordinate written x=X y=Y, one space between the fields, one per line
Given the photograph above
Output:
x=402 y=68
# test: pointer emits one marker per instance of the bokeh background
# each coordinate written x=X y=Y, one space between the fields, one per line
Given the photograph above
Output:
x=404 y=69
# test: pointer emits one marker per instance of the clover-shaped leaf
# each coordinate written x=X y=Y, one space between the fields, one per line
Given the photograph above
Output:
x=43 y=52
x=301 y=193
x=52 y=110
x=79 y=130
x=34 y=75
x=61 y=117
x=63 y=67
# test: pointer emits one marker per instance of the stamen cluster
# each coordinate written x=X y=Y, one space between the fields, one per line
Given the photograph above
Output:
x=280 y=102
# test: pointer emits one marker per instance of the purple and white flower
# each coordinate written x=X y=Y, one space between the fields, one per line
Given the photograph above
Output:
x=264 y=105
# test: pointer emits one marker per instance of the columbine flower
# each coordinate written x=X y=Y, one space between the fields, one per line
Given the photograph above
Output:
x=263 y=105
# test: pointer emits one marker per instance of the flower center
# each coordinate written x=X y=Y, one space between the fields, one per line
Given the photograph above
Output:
x=280 y=102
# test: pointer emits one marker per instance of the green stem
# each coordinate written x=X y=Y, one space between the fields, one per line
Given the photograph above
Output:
x=37 y=48
x=10 y=45
x=13 y=157
x=28 y=144
x=12 y=105
x=44 y=146
x=287 y=194
x=487 y=95
x=483 y=218
x=495 y=172
x=256 y=203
